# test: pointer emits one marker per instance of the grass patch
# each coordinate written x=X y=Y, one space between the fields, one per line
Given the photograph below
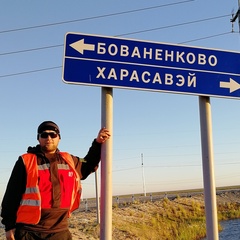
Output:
x=178 y=219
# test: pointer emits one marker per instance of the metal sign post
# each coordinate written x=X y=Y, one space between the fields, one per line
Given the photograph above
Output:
x=106 y=167
x=208 y=168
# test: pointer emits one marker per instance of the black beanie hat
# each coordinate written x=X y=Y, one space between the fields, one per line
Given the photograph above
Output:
x=48 y=125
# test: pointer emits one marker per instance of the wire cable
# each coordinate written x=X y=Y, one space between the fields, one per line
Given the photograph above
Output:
x=95 y=17
x=60 y=45
x=203 y=38
x=31 y=49
x=56 y=67
x=146 y=30
x=175 y=25
x=32 y=71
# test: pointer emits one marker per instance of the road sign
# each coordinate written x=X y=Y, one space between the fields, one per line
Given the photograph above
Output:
x=143 y=65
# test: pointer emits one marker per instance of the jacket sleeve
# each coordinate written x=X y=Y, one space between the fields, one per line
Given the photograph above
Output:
x=91 y=160
x=13 y=195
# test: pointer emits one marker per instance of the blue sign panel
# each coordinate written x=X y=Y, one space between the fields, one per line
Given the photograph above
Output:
x=142 y=65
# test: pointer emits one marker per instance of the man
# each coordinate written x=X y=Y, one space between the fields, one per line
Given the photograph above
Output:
x=44 y=187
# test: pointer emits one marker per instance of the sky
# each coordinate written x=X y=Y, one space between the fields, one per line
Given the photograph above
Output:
x=156 y=135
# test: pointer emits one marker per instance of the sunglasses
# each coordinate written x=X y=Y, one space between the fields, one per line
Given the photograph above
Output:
x=46 y=134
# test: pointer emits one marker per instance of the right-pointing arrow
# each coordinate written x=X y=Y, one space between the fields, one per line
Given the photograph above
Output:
x=80 y=46
x=232 y=85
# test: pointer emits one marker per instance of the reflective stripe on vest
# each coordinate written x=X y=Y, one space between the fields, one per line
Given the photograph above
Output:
x=30 y=202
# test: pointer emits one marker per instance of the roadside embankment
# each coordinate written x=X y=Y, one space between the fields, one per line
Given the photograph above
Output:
x=171 y=217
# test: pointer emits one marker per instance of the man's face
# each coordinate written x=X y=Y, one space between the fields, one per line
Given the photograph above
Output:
x=49 y=141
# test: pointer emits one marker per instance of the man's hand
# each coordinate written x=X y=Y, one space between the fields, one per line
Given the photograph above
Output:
x=10 y=234
x=103 y=135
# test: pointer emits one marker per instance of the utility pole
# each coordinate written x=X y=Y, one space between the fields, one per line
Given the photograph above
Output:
x=237 y=15
x=144 y=186
x=97 y=197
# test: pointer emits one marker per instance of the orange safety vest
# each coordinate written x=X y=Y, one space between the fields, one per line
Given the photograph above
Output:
x=32 y=202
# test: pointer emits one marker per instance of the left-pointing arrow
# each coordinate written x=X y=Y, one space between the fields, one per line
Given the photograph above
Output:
x=232 y=85
x=80 y=46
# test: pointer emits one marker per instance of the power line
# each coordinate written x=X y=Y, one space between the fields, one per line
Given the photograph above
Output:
x=175 y=25
x=174 y=166
x=32 y=71
x=94 y=17
x=56 y=67
x=203 y=38
x=146 y=30
x=60 y=45
x=31 y=49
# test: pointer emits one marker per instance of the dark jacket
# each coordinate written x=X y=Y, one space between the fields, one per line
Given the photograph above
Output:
x=17 y=184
